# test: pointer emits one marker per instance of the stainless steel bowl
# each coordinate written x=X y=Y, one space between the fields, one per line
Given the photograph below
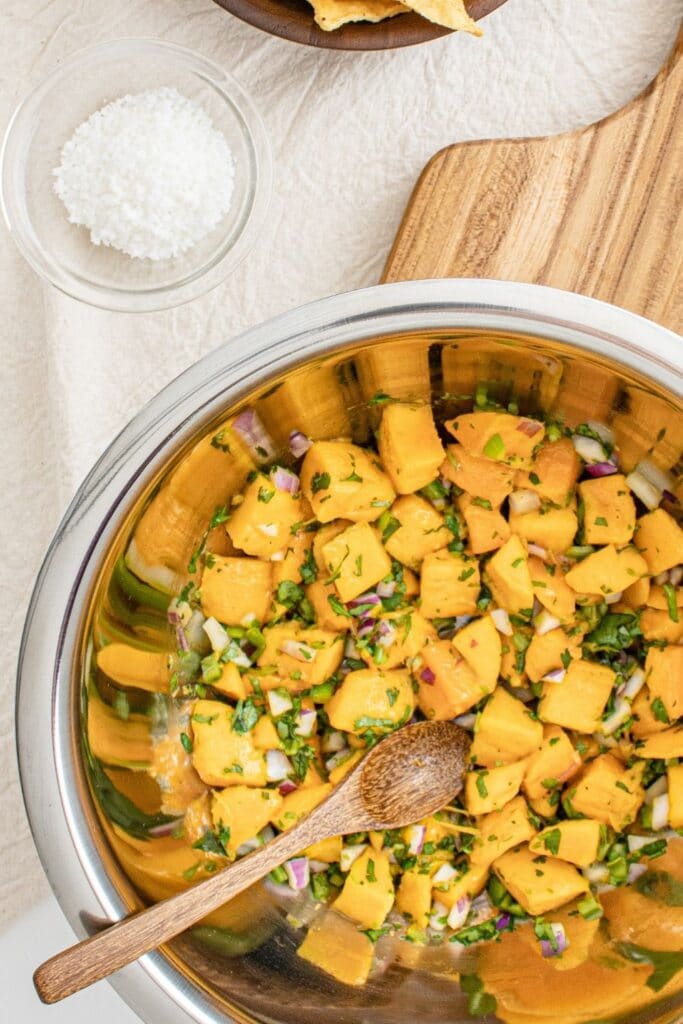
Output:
x=314 y=369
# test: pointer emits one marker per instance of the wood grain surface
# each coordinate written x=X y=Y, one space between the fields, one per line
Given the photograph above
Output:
x=597 y=211
x=293 y=19
x=408 y=776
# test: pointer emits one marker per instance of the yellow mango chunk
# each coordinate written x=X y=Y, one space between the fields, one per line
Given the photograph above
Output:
x=664 y=673
x=505 y=732
x=480 y=645
x=411 y=633
x=414 y=896
x=553 y=529
x=448 y=685
x=554 y=472
x=231 y=683
x=645 y=721
x=508 y=577
x=336 y=946
x=637 y=594
x=478 y=477
x=665 y=744
x=130 y=666
x=469 y=883
x=343 y=480
x=368 y=893
x=498 y=436
x=409 y=446
x=575 y=841
x=422 y=531
x=261 y=524
x=301 y=657
x=579 y=700
x=370 y=700
x=298 y=804
x=449 y=585
x=219 y=752
x=295 y=553
x=607 y=571
x=657 y=624
x=236 y=589
x=674 y=775
x=546 y=652
x=487 y=528
x=657 y=597
x=659 y=539
x=609 y=510
x=489 y=789
x=538 y=887
x=242 y=812
x=609 y=792
x=265 y=735
x=554 y=764
x=319 y=593
x=320 y=538
x=501 y=830
x=552 y=590
x=355 y=560
x=327 y=850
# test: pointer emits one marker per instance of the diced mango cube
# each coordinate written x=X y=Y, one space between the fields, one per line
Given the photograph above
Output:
x=422 y=531
x=301 y=657
x=609 y=510
x=342 y=480
x=478 y=477
x=240 y=812
x=480 y=645
x=370 y=700
x=336 y=946
x=498 y=436
x=508 y=576
x=659 y=539
x=552 y=590
x=577 y=841
x=553 y=528
x=607 y=571
x=665 y=744
x=488 y=529
x=368 y=893
x=298 y=804
x=409 y=446
x=449 y=585
x=505 y=731
x=548 y=651
x=675 y=789
x=664 y=672
x=501 y=830
x=579 y=700
x=236 y=589
x=219 y=752
x=489 y=789
x=448 y=685
x=554 y=472
x=469 y=883
x=261 y=524
x=231 y=683
x=538 y=884
x=356 y=560
x=609 y=792
x=414 y=896
x=550 y=767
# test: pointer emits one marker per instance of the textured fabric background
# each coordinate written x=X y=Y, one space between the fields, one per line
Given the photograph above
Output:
x=350 y=134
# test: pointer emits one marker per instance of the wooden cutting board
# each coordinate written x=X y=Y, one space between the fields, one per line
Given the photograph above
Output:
x=597 y=211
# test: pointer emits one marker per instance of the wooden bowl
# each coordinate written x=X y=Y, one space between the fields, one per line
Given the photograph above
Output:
x=293 y=19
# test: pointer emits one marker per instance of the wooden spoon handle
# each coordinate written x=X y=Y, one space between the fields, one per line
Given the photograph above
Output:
x=102 y=954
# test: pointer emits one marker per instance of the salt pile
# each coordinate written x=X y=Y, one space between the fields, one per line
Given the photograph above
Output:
x=147 y=174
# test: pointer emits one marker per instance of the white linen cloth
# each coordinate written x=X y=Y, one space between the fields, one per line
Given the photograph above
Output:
x=350 y=134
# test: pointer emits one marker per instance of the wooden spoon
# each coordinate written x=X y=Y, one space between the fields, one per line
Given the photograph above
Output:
x=409 y=775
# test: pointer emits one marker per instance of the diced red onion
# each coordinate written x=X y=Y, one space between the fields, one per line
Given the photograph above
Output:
x=218 y=637
x=545 y=622
x=621 y=712
x=285 y=480
x=386 y=589
x=181 y=639
x=529 y=427
x=370 y=598
x=614 y=598
x=649 y=494
x=337 y=758
x=596 y=874
x=298 y=873
x=415 y=836
x=676 y=575
x=298 y=650
x=503 y=922
x=658 y=477
x=560 y=941
x=598 y=469
x=656 y=789
x=661 y=578
x=365 y=628
x=194 y=630
x=501 y=620
x=466 y=721
x=538 y=551
x=236 y=655
x=634 y=684
x=556 y=676
x=350 y=855
x=318 y=866
x=438 y=917
x=249 y=846
x=267 y=833
x=459 y=913
x=305 y=723
x=350 y=649
x=278 y=703
x=333 y=742
x=635 y=871
x=254 y=434
x=299 y=443
x=427 y=676
x=524 y=501
x=636 y=843
x=660 y=812
x=444 y=874
x=604 y=432
x=589 y=449
x=521 y=693
x=287 y=787
x=278 y=766
x=167 y=829
x=387 y=633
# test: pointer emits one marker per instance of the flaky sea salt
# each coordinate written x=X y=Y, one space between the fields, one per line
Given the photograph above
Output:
x=147 y=174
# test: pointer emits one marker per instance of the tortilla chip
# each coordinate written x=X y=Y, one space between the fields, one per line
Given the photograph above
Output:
x=331 y=14
x=449 y=13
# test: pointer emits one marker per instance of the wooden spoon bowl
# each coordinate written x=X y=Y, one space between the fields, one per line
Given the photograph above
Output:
x=293 y=19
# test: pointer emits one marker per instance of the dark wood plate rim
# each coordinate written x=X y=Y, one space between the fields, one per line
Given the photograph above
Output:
x=293 y=20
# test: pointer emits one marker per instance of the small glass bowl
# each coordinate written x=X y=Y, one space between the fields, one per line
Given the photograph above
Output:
x=47 y=118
